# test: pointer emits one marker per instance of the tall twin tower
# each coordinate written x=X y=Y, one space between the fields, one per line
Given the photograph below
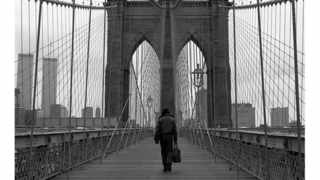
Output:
x=168 y=25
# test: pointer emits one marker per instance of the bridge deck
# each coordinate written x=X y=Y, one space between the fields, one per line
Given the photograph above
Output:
x=143 y=161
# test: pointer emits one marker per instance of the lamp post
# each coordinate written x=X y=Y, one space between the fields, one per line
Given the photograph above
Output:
x=149 y=104
x=198 y=82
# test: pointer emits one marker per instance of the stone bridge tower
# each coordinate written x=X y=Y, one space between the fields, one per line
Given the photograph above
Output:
x=168 y=25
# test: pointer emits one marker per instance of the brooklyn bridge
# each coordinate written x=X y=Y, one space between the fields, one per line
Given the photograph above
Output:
x=92 y=77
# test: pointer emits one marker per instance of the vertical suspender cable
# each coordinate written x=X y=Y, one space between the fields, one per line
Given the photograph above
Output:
x=278 y=48
x=108 y=96
x=302 y=63
x=137 y=82
x=87 y=66
x=195 y=91
x=141 y=85
x=29 y=26
x=21 y=27
x=188 y=95
x=35 y=83
x=235 y=83
x=52 y=23
x=21 y=48
x=129 y=108
x=59 y=67
x=103 y=74
x=284 y=52
x=296 y=82
x=71 y=78
x=289 y=55
x=135 y=91
x=48 y=32
x=274 y=33
x=191 y=90
x=263 y=91
x=103 y=56
x=267 y=53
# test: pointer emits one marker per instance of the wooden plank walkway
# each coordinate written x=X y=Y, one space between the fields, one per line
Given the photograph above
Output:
x=143 y=161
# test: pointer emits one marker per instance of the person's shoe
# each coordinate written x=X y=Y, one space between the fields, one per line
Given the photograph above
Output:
x=165 y=169
x=169 y=168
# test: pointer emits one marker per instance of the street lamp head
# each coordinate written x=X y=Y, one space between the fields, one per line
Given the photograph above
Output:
x=149 y=101
x=198 y=76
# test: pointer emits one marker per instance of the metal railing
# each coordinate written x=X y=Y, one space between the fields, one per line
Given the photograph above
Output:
x=50 y=155
x=283 y=157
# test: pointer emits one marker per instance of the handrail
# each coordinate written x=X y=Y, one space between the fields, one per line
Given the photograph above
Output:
x=262 y=4
x=282 y=159
x=63 y=3
x=54 y=151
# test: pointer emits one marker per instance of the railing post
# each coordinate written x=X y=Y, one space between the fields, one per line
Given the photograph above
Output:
x=263 y=92
x=35 y=86
x=296 y=81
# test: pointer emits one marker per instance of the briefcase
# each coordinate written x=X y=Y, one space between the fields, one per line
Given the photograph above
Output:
x=176 y=155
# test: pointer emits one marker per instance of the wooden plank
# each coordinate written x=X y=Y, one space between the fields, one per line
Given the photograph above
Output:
x=143 y=161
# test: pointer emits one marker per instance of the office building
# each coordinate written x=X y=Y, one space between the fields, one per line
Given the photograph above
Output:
x=58 y=111
x=25 y=80
x=279 y=117
x=87 y=112
x=32 y=117
x=98 y=112
x=19 y=115
x=49 y=84
x=246 y=115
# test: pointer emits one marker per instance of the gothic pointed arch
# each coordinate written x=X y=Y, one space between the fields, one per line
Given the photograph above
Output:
x=196 y=40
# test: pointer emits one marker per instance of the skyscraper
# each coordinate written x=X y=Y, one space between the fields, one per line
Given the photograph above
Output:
x=98 y=112
x=24 y=80
x=58 y=111
x=19 y=111
x=279 y=116
x=87 y=112
x=49 y=84
x=246 y=115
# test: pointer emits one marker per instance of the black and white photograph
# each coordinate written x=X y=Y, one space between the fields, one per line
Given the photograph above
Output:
x=159 y=90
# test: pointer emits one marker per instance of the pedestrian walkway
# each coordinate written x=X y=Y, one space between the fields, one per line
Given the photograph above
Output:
x=143 y=161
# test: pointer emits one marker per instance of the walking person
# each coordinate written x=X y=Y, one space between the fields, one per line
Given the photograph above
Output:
x=166 y=134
